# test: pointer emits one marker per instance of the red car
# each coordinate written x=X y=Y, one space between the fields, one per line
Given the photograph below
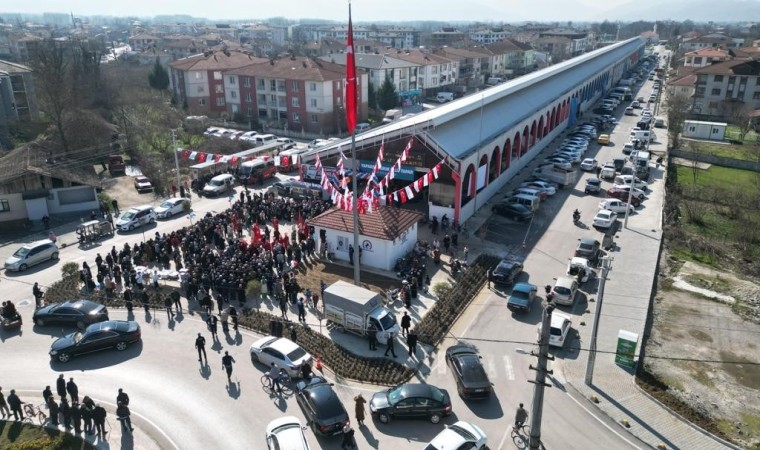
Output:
x=621 y=194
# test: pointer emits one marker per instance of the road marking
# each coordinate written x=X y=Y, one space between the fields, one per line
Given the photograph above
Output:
x=491 y=368
x=504 y=439
x=508 y=367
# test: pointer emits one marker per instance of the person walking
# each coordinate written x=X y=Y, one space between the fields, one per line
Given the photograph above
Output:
x=212 y=322
x=227 y=361
x=489 y=276
x=223 y=317
x=76 y=417
x=15 y=404
x=86 y=412
x=122 y=397
x=53 y=410
x=411 y=340
x=234 y=317
x=115 y=206
x=99 y=418
x=372 y=336
x=406 y=322
x=348 y=437
x=73 y=390
x=168 y=304
x=128 y=299
x=176 y=300
x=37 y=292
x=4 y=405
x=60 y=386
x=200 y=344
x=122 y=413
x=359 y=403
x=301 y=309
x=390 y=347
x=284 y=307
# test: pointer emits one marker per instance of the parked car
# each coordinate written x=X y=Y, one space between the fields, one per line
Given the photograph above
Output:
x=637 y=193
x=564 y=290
x=136 y=217
x=629 y=111
x=248 y=136
x=588 y=248
x=604 y=139
x=31 y=254
x=74 y=312
x=321 y=406
x=469 y=374
x=284 y=353
x=560 y=163
x=172 y=206
x=287 y=143
x=559 y=329
x=578 y=264
x=618 y=206
x=589 y=164
x=116 y=334
x=507 y=271
x=630 y=179
x=286 y=433
x=411 y=401
x=605 y=219
x=521 y=298
x=460 y=436
x=512 y=211
x=541 y=185
x=143 y=184
x=620 y=194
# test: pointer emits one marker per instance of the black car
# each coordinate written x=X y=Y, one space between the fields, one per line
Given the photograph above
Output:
x=506 y=271
x=588 y=248
x=512 y=211
x=602 y=111
x=471 y=378
x=411 y=401
x=75 y=312
x=116 y=334
x=321 y=406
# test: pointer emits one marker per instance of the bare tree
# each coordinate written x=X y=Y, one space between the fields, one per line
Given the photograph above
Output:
x=679 y=109
x=50 y=64
x=741 y=117
x=696 y=150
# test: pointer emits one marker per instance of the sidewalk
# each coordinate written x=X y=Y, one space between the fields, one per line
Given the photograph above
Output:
x=139 y=439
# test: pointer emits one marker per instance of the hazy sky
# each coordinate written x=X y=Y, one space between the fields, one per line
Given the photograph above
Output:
x=363 y=10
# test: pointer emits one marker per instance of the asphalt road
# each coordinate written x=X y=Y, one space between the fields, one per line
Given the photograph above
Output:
x=196 y=408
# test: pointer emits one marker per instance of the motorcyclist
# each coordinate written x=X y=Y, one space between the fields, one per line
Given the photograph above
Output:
x=9 y=310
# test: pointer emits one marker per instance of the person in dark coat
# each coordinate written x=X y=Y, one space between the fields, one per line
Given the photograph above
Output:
x=15 y=403
x=372 y=337
x=348 y=437
x=406 y=322
x=53 y=410
x=212 y=325
x=65 y=412
x=411 y=340
x=122 y=412
x=390 y=348
x=200 y=345
x=122 y=397
x=60 y=386
x=47 y=393
x=73 y=390
x=86 y=412
x=99 y=418
x=76 y=416
x=359 y=403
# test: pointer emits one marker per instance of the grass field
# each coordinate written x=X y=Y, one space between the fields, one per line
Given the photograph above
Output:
x=25 y=436
x=722 y=177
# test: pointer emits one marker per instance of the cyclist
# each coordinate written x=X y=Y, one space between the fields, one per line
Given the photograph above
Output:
x=274 y=375
x=520 y=417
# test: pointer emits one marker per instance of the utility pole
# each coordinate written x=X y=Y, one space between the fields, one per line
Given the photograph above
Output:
x=537 y=408
x=176 y=157
x=355 y=210
x=606 y=266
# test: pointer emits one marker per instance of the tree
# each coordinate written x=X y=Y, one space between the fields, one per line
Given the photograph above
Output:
x=50 y=65
x=696 y=149
x=387 y=98
x=159 y=77
x=372 y=96
x=679 y=108
x=741 y=117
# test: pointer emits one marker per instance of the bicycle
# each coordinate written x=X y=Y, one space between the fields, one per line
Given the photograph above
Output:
x=284 y=378
x=522 y=430
x=35 y=411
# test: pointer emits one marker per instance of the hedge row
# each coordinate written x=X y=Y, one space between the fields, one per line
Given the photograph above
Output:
x=437 y=322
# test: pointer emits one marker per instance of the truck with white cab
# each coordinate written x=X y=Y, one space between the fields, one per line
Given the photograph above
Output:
x=554 y=174
x=392 y=114
x=355 y=309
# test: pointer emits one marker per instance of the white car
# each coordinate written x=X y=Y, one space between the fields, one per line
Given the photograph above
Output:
x=284 y=353
x=560 y=163
x=287 y=143
x=637 y=183
x=172 y=206
x=210 y=131
x=576 y=264
x=560 y=329
x=248 y=136
x=564 y=291
x=641 y=195
x=589 y=164
x=286 y=433
x=541 y=185
x=615 y=205
x=461 y=435
x=605 y=218
x=574 y=157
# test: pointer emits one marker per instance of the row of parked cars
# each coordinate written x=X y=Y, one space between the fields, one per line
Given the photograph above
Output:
x=254 y=137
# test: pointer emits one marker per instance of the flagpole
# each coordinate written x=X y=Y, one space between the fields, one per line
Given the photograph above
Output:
x=355 y=210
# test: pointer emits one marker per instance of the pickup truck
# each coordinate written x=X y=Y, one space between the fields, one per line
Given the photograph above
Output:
x=355 y=309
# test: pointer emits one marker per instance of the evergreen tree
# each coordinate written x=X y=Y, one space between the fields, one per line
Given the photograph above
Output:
x=159 y=77
x=387 y=97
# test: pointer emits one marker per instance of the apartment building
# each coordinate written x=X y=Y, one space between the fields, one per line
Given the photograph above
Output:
x=488 y=36
x=378 y=67
x=433 y=72
x=18 y=101
x=721 y=87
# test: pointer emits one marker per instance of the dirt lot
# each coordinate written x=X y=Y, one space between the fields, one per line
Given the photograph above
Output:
x=710 y=351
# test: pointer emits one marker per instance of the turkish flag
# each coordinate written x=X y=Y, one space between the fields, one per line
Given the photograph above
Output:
x=284 y=161
x=185 y=154
x=217 y=157
x=234 y=160
x=201 y=157
x=350 y=78
x=402 y=195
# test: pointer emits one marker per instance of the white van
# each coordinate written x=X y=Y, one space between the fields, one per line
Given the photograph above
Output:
x=642 y=135
x=531 y=202
x=219 y=184
x=136 y=217
x=361 y=127
x=261 y=139
x=444 y=97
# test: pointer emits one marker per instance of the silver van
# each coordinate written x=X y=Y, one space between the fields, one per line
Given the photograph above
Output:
x=531 y=202
x=261 y=139
x=136 y=217
x=32 y=254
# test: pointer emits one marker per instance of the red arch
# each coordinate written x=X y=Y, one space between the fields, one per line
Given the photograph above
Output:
x=506 y=156
x=525 y=139
x=516 y=146
x=533 y=131
x=548 y=123
x=495 y=168
x=468 y=184
x=553 y=119
x=540 y=131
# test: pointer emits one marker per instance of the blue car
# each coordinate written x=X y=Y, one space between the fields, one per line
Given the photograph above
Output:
x=521 y=297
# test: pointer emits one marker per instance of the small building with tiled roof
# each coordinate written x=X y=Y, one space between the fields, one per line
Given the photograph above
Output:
x=705 y=56
x=385 y=235
x=723 y=87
